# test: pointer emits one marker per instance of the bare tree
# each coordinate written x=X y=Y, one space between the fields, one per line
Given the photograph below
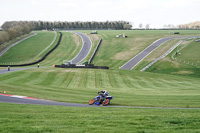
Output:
x=147 y=26
x=140 y=25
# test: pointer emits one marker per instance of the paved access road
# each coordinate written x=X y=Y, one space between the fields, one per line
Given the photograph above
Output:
x=135 y=60
x=87 y=44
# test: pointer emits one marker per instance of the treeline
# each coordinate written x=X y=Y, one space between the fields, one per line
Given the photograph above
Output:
x=13 y=30
x=193 y=25
x=45 y=25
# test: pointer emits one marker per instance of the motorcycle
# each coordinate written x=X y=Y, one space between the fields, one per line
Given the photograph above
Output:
x=97 y=100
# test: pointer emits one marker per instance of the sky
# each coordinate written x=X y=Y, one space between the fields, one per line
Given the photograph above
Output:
x=156 y=13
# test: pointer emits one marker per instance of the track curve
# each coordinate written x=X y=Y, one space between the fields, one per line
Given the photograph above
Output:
x=17 y=100
x=87 y=44
x=139 y=57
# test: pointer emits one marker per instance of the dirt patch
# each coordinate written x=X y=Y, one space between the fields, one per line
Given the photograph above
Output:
x=93 y=37
x=183 y=72
x=123 y=55
x=77 y=39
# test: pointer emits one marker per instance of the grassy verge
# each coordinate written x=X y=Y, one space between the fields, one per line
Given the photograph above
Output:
x=45 y=119
x=186 y=64
x=27 y=50
x=69 y=47
x=156 y=54
x=3 y=46
x=115 y=52
x=129 y=88
x=95 y=39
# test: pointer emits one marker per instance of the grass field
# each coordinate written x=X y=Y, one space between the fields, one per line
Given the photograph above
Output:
x=30 y=49
x=129 y=88
x=3 y=46
x=69 y=47
x=187 y=64
x=114 y=52
x=45 y=119
x=156 y=53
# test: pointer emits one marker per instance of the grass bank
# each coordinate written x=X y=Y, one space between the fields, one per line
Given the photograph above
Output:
x=185 y=64
x=129 y=88
x=35 y=118
x=31 y=49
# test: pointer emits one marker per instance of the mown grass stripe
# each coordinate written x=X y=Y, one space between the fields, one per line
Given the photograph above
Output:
x=91 y=79
x=105 y=80
x=26 y=78
x=112 y=79
x=9 y=76
x=98 y=79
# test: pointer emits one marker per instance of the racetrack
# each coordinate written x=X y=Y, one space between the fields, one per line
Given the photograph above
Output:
x=17 y=100
x=135 y=60
x=87 y=44
x=28 y=100
x=2 y=71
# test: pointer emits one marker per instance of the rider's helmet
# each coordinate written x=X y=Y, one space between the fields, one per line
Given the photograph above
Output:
x=106 y=92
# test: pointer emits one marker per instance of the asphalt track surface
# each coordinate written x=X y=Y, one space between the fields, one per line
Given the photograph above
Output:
x=135 y=60
x=87 y=44
x=8 y=99
x=2 y=71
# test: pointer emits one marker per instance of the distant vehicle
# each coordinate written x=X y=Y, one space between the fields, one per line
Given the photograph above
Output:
x=94 y=32
x=176 y=33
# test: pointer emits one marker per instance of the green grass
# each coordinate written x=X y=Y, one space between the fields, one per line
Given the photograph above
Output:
x=28 y=50
x=186 y=64
x=67 y=50
x=45 y=119
x=114 y=52
x=162 y=49
x=3 y=46
x=129 y=88
x=190 y=53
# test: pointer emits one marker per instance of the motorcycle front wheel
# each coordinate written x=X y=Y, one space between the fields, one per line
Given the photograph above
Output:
x=92 y=101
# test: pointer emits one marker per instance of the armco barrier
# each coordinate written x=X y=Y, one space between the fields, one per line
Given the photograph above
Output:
x=91 y=66
x=32 y=63
x=95 y=52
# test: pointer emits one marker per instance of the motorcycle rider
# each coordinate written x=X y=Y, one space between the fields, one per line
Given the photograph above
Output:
x=102 y=94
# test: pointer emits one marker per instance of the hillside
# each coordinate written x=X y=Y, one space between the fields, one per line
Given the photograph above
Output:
x=129 y=88
x=186 y=63
x=31 y=49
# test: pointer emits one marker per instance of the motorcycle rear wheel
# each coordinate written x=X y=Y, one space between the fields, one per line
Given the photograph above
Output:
x=92 y=101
